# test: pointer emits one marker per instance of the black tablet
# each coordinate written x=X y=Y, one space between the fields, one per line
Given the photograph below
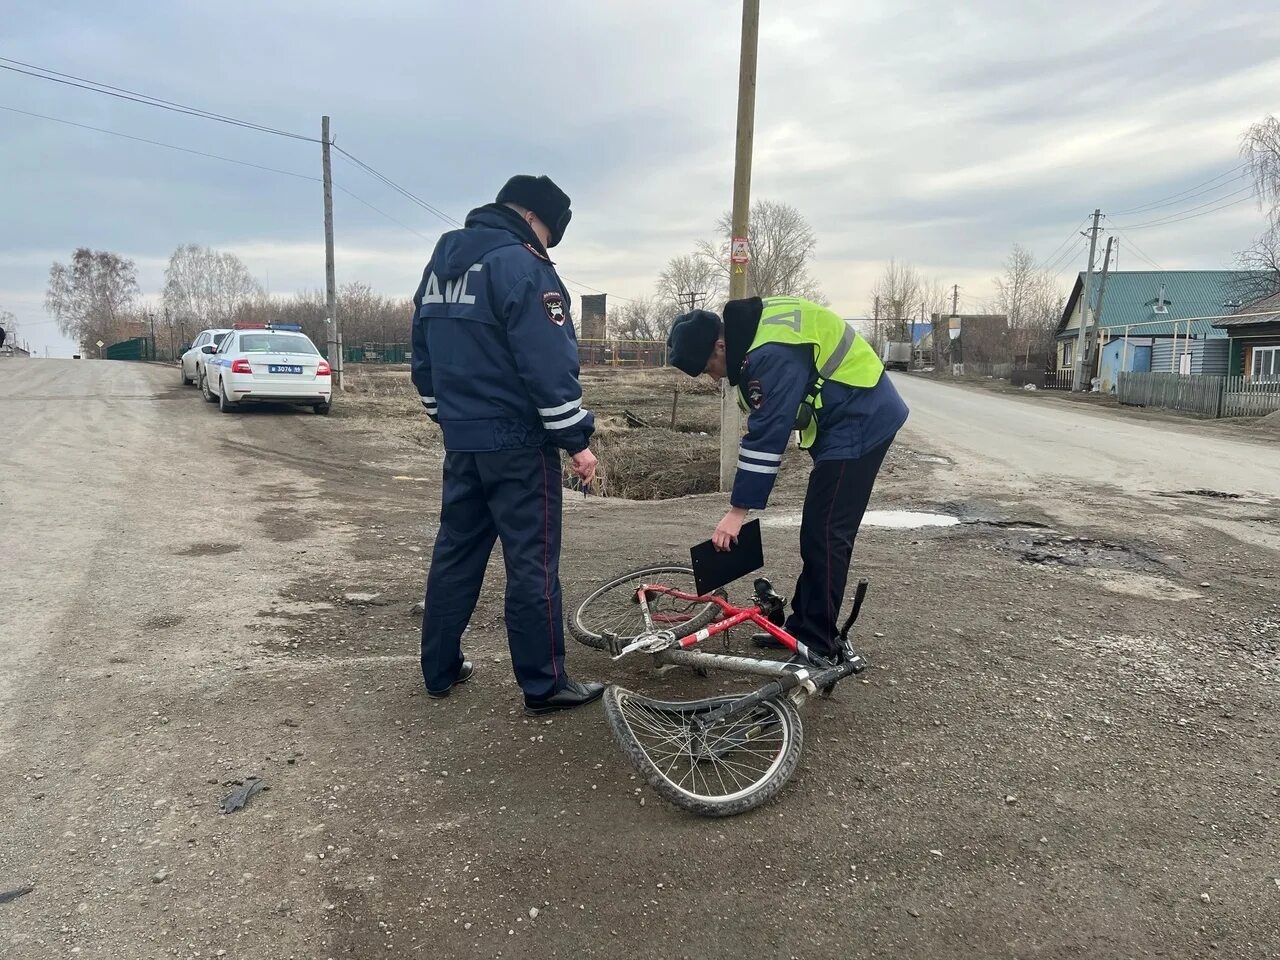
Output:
x=713 y=569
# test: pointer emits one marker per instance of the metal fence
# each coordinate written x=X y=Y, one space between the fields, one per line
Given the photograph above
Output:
x=135 y=348
x=372 y=352
x=622 y=353
x=1205 y=395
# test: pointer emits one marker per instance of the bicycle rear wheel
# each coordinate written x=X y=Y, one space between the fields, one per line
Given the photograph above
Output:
x=613 y=608
x=725 y=769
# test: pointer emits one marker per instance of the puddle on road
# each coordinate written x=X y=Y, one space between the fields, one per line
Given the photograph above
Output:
x=887 y=519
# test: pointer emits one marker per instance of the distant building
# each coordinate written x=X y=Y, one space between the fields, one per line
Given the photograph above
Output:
x=1254 y=341
x=1167 y=320
x=591 y=317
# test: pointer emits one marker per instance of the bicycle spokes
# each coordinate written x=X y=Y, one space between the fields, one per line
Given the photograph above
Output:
x=727 y=763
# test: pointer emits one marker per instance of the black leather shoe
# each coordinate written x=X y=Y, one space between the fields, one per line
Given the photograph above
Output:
x=464 y=674
x=766 y=641
x=572 y=694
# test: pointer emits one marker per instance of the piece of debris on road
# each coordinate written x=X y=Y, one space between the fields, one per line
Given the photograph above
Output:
x=238 y=797
x=8 y=896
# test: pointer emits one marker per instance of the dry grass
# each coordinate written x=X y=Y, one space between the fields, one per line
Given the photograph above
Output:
x=636 y=463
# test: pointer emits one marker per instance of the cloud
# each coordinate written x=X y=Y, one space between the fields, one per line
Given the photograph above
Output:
x=931 y=131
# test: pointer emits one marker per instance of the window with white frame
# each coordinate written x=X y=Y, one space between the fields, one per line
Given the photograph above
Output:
x=1266 y=364
x=1068 y=356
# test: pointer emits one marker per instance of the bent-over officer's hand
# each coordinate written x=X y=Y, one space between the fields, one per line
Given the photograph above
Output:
x=727 y=530
x=584 y=465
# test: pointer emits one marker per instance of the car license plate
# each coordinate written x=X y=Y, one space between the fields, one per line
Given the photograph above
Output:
x=283 y=368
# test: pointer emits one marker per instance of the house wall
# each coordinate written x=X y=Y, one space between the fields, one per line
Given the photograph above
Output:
x=1209 y=357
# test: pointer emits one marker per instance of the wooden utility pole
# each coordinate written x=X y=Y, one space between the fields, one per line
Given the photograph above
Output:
x=1095 y=334
x=330 y=284
x=730 y=418
x=955 y=299
x=1077 y=383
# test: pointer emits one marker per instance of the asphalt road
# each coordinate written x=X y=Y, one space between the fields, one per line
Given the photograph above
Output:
x=1024 y=441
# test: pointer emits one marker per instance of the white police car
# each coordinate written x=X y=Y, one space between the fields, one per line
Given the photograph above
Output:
x=205 y=343
x=266 y=363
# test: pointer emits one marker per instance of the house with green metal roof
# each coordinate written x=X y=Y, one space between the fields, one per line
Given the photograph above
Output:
x=1254 y=335
x=1153 y=320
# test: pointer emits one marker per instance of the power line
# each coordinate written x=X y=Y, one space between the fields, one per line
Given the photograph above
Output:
x=360 y=199
x=158 y=143
x=1182 y=195
x=1071 y=236
x=120 y=93
x=1138 y=251
x=1165 y=221
x=414 y=198
x=397 y=188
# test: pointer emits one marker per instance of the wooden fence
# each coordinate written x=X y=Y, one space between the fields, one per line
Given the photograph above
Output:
x=1207 y=396
x=1249 y=398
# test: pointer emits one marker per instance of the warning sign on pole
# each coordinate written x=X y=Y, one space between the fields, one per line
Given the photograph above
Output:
x=738 y=252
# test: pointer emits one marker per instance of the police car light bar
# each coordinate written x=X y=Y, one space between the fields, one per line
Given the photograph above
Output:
x=285 y=326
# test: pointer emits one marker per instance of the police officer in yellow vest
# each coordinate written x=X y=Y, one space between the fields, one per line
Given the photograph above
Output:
x=797 y=366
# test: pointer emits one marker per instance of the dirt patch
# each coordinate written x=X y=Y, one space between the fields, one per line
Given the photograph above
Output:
x=208 y=550
x=163 y=622
x=1210 y=494
x=1088 y=553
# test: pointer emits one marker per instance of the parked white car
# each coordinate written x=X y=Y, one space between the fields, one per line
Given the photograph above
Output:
x=259 y=363
x=190 y=359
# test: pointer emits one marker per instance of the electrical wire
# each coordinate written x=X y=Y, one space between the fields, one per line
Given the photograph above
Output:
x=159 y=143
x=94 y=86
x=1183 y=195
x=1165 y=221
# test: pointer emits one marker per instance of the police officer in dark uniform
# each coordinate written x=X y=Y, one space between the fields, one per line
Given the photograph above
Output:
x=797 y=366
x=495 y=362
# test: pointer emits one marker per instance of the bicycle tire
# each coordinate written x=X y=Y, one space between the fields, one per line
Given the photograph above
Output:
x=581 y=627
x=765 y=787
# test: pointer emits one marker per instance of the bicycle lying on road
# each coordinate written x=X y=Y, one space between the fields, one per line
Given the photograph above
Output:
x=722 y=755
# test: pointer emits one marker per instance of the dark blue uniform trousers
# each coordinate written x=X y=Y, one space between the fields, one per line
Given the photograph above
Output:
x=838 y=493
x=515 y=495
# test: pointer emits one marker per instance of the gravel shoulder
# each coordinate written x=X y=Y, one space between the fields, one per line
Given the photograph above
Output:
x=1066 y=746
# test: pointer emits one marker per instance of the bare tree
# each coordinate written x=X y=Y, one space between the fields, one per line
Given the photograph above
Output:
x=204 y=288
x=782 y=247
x=90 y=298
x=687 y=274
x=1015 y=286
x=371 y=317
x=1260 y=263
x=895 y=297
x=643 y=319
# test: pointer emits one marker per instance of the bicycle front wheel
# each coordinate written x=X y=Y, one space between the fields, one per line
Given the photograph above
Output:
x=613 y=608
x=727 y=768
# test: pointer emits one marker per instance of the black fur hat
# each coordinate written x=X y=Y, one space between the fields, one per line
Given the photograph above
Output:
x=692 y=338
x=543 y=197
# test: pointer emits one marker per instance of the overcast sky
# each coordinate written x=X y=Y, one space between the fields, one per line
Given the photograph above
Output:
x=936 y=132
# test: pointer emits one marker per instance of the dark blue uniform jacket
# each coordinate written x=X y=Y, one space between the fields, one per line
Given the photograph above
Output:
x=774 y=380
x=495 y=355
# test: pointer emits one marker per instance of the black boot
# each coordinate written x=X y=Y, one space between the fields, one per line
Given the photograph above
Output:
x=464 y=674
x=572 y=694
x=766 y=641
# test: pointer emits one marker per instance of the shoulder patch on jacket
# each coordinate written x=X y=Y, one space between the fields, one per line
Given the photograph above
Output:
x=553 y=303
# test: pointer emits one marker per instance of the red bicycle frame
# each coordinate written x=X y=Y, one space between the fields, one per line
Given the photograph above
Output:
x=732 y=617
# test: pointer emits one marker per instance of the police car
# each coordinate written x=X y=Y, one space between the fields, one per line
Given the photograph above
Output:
x=205 y=343
x=266 y=363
